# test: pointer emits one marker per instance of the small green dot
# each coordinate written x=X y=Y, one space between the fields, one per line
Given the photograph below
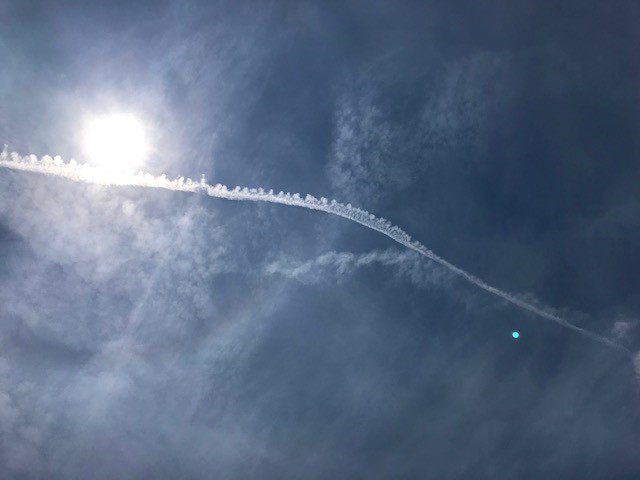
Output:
x=515 y=334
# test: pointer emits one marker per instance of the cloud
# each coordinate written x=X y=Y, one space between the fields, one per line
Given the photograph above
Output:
x=119 y=311
x=364 y=149
x=621 y=329
x=469 y=92
x=407 y=266
x=374 y=140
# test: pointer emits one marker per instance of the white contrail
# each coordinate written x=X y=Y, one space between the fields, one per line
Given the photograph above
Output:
x=88 y=174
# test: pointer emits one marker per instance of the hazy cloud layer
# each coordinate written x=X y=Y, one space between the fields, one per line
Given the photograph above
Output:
x=154 y=334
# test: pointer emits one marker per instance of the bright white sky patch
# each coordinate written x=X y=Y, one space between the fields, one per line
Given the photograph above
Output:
x=116 y=142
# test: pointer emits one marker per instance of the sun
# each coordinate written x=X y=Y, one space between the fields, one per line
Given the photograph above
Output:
x=116 y=142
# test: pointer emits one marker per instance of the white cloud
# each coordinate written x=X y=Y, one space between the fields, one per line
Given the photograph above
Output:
x=621 y=329
x=406 y=265
x=362 y=152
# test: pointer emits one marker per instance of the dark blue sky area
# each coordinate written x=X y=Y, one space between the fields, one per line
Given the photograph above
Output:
x=155 y=334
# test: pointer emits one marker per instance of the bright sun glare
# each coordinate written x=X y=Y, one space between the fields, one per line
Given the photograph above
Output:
x=116 y=142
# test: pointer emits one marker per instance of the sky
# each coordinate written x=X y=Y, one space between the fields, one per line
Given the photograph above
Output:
x=147 y=333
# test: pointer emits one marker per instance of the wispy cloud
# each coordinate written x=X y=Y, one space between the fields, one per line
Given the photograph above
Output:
x=330 y=265
x=622 y=329
x=364 y=148
x=373 y=143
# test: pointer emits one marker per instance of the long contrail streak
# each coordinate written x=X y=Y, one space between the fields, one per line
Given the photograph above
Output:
x=88 y=174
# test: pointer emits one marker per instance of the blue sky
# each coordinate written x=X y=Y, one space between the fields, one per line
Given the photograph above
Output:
x=156 y=334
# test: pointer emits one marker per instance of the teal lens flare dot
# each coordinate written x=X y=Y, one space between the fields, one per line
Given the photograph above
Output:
x=515 y=334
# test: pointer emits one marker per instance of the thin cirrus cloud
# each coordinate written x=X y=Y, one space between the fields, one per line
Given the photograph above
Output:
x=339 y=264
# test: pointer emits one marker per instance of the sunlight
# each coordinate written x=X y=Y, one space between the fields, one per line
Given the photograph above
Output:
x=116 y=142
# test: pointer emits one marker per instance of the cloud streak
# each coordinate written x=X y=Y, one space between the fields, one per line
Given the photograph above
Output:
x=340 y=264
x=88 y=174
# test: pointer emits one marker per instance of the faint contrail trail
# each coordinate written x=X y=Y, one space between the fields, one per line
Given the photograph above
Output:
x=86 y=173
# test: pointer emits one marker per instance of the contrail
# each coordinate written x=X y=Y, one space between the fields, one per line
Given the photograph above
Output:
x=88 y=174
